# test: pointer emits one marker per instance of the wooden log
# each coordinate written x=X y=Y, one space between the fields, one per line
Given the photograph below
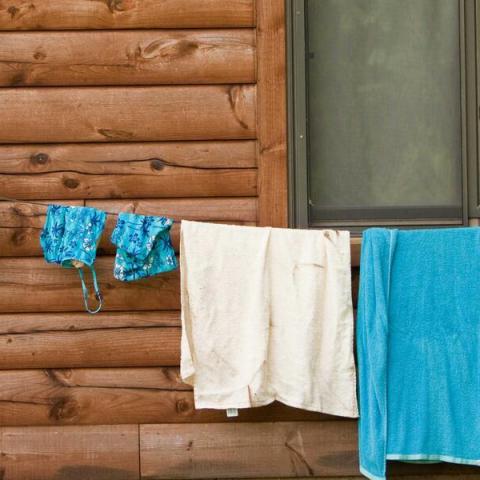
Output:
x=117 y=14
x=127 y=57
x=272 y=114
x=249 y=450
x=254 y=450
x=238 y=211
x=12 y=323
x=136 y=170
x=162 y=181
x=122 y=347
x=158 y=378
x=20 y=226
x=68 y=453
x=31 y=285
x=51 y=288
x=112 y=453
x=470 y=475
x=218 y=112
x=113 y=396
x=428 y=471
x=355 y=249
x=21 y=223
x=355 y=285
x=200 y=209
x=122 y=158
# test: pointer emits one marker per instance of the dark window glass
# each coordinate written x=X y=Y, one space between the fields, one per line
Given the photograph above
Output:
x=383 y=82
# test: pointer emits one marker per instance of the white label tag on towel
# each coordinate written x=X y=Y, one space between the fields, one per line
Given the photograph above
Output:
x=232 y=412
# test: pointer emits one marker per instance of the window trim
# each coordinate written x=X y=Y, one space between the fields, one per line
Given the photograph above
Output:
x=298 y=125
x=472 y=94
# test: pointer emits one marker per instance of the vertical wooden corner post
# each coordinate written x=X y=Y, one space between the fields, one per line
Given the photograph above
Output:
x=271 y=114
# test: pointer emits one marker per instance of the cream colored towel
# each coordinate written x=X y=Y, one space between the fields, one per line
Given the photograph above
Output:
x=267 y=315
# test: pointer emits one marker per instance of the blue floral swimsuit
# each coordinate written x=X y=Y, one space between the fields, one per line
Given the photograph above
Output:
x=71 y=235
x=143 y=245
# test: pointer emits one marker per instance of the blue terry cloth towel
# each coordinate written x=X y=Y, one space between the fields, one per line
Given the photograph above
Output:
x=143 y=245
x=418 y=343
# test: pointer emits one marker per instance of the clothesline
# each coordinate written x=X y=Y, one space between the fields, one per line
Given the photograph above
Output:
x=43 y=204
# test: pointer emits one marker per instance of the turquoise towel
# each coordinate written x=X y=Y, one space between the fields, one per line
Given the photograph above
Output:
x=418 y=344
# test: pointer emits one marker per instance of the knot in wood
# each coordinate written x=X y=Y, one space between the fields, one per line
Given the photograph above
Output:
x=39 y=159
x=19 y=237
x=63 y=408
x=39 y=55
x=182 y=405
x=118 y=5
x=12 y=10
x=157 y=164
x=71 y=183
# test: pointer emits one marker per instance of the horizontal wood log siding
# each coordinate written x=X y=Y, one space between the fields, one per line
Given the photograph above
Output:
x=124 y=170
x=148 y=57
x=111 y=452
x=106 y=114
x=176 y=108
x=114 y=396
x=11 y=323
x=21 y=223
x=313 y=449
x=131 y=14
x=49 y=288
x=69 y=453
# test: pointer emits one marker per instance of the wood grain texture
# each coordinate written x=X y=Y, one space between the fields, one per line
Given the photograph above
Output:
x=355 y=249
x=21 y=223
x=470 y=475
x=31 y=285
x=430 y=471
x=158 y=378
x=238 y=211
x=272 y=113
x=252 y=450
x=105 y=14
x=121 y=347
x=127 y=57
x=162 y=181
x=20 y=226
x=12 y=323
x=69 y=453
x=355 y=285
x=114 y=396
x=50 y=288
x=115 y=158
x=136 y=170
x=248 y=450
x=110 y=114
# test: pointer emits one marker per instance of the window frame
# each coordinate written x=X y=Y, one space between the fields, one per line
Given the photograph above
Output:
x=297 y=96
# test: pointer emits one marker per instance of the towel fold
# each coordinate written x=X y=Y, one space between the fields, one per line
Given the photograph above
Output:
x=418 y=344
x=267 y=315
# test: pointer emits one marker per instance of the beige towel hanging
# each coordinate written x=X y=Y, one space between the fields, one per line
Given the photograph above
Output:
x=267 y=315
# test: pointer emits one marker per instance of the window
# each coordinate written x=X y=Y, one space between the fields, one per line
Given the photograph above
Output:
x=383 y=112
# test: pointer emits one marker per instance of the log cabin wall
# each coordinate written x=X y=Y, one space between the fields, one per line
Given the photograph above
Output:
x=173 y=107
